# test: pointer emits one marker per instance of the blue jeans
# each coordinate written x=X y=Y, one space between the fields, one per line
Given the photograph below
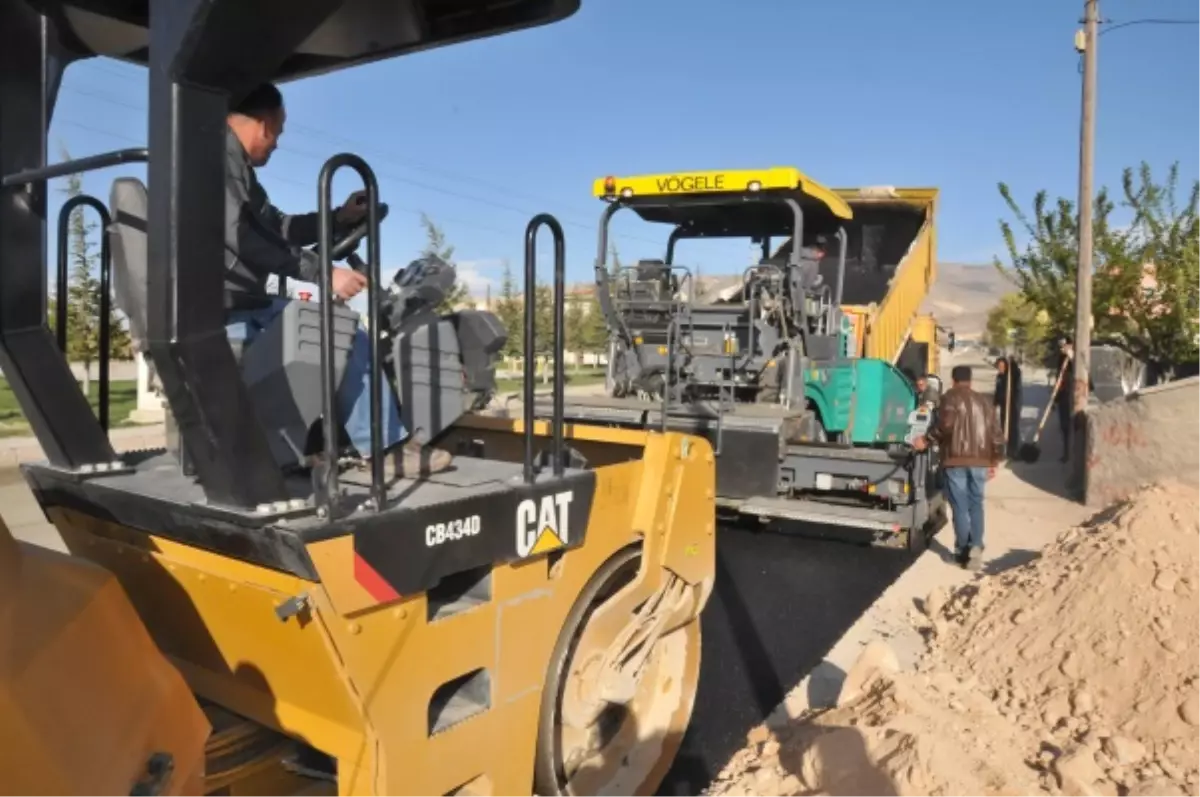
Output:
x=964 y=488
x=353 y=395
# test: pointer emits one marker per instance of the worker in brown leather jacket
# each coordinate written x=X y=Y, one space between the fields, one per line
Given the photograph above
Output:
x=971 y=443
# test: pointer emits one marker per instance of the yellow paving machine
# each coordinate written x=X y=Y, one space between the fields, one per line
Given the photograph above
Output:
x=802 y=373
x=234 y=619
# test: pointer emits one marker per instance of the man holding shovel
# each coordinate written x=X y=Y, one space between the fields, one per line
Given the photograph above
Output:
x=972 y=445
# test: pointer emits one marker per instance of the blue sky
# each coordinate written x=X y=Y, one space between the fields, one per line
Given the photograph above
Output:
x=957 y=95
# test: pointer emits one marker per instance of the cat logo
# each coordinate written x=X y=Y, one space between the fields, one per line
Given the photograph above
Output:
x=543 y=523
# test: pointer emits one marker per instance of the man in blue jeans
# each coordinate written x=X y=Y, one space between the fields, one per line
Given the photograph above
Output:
x=261 y=241
x=971 y=444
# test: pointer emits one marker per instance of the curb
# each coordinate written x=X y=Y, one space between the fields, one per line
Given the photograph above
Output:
x=16 y=451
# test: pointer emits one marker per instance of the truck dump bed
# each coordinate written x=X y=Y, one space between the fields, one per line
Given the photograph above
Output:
x=891 y=263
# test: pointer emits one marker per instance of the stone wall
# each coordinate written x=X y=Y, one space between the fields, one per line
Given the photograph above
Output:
x=1149 y=436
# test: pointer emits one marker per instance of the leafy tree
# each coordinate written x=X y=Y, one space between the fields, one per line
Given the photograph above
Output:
x=545 y=345
x=1146 y=283
x=1017 y=326
x=83 y=294
x=576 y=326
x=1158 y=272
x=437 y=246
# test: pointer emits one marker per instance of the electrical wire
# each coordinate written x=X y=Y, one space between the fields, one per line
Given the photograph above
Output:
x=358 y=146
x=1109 y=27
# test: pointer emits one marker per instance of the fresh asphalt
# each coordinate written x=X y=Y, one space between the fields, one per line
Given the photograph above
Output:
x=780 y=603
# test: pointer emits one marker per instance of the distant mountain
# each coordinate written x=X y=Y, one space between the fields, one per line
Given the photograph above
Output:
x=962 y=296
x=960 y=299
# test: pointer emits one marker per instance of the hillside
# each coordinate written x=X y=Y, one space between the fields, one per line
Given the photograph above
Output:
x=962 y=296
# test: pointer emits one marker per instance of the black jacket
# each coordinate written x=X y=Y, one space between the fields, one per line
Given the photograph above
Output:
x=260 y=240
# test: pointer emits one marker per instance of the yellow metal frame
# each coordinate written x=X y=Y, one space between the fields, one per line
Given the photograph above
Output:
x=354 y=677
x=72 y=646
x=885 y=327
x=737 y=181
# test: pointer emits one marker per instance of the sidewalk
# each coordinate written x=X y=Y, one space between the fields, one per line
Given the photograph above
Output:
x=16 y=450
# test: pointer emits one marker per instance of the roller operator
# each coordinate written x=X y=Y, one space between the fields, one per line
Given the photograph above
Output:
x=260 y=240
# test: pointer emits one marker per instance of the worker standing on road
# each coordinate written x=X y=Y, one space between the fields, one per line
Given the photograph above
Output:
x=1065 y=400
x=1007 y=398
x=971 y=444
x=927 y=394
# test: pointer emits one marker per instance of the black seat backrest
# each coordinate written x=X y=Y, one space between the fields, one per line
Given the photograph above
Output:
x=129 y=205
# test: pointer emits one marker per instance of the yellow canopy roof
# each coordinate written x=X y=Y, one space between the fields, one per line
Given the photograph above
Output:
x=776 y=178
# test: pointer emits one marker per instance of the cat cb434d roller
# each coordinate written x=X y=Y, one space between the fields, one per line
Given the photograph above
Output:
x=802 y=372
x=230 y=621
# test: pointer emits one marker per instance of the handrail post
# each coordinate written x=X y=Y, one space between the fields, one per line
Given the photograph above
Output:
x=559 y=400
x=105 y=310
x=329 y=423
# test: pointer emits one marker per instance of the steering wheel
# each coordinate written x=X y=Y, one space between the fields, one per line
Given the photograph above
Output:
x=345 y=246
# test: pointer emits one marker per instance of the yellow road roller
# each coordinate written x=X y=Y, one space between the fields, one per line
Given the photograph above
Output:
x=257 y=607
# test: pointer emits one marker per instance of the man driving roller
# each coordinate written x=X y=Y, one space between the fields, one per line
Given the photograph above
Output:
x=260 y=240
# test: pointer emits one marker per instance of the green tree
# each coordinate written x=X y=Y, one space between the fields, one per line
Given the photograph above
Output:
x=1157 y=273
x=83 y=294
x=1156 y=318
x=1017 y=326
x=545 y=345
x=577 y=327
x=509 y=309
x=437 y=246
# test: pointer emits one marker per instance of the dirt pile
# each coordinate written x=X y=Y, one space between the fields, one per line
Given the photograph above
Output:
x=1076 y=673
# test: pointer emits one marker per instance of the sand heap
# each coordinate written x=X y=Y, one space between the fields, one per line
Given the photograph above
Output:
x=1076 y=673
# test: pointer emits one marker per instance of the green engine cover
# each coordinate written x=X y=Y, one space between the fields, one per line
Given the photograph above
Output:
x=870 y=400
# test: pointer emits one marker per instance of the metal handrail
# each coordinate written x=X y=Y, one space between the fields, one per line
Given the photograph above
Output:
x=560 y=271
x=328 y=386
x=60 y=332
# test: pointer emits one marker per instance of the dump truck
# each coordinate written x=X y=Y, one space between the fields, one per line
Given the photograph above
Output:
x=891 y=265
x=253 y=609
x=795 y=374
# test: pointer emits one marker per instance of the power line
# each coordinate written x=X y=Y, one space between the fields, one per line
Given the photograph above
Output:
x=376 y=154
x=289 y=180
x=1131 y=23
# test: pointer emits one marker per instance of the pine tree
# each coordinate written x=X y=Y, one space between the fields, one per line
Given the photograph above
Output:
x=83 y=294
x=437 y=246
x=509 y=311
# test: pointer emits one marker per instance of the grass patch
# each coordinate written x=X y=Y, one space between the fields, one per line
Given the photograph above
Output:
x=584 y=376
x=122 y=400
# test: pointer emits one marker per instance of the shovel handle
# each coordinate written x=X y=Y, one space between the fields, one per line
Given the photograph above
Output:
x=1057 y=385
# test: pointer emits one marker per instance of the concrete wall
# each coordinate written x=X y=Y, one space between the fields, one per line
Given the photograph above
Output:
x=1147 y=437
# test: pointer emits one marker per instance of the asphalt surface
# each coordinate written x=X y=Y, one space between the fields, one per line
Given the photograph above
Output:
x=781 y=602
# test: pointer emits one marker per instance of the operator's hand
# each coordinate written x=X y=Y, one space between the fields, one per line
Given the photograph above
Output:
x=347 y=283
x=920 y=443
x=354 y=210
x=991 y=473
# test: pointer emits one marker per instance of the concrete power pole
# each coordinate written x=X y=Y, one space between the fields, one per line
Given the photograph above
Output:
x=1083 y=279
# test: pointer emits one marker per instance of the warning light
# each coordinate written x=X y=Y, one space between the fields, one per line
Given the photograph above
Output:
x=610 y=185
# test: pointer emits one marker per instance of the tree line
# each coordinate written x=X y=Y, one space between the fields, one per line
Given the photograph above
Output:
x=1146 y=280
x=583 y=321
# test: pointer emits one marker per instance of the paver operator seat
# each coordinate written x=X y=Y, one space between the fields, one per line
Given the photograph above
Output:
x=442 y=366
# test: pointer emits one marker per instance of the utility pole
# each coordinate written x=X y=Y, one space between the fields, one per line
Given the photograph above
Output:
x=1083 y=277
